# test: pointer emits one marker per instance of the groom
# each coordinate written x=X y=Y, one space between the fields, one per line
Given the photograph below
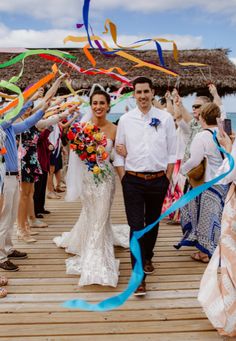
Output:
x=149 y=136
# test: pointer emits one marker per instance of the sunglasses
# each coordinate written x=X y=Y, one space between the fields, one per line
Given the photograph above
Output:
x=196 y=106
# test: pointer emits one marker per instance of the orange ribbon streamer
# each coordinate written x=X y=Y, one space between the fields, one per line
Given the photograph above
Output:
x=29 y=92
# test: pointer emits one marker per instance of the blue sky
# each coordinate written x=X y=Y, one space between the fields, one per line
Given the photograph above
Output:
x=191 y=23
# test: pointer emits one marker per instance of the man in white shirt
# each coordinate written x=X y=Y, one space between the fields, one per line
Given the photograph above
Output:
x=149 y=136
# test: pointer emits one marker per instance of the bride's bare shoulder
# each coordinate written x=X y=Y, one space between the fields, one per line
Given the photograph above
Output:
x=112 y=130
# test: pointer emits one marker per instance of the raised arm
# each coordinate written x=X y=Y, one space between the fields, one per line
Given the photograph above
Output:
x=217 y=100
x=215 y=95
x=169 y=103
x=180 y=111
x=51 y=92
x=30 y=121
x=67 y=113
x=7 y=124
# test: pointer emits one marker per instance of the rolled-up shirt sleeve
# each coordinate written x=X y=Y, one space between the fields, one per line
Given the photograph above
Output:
x=171 y=141
x=119 y=161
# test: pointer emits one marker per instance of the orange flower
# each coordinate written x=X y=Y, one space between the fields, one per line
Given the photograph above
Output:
x=73 y=146
x=81 y=146
x=3 y=151
x=104 y=155
x=87 y=131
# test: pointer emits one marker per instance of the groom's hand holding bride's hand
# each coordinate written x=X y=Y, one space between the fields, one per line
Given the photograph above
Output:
x=121 y=150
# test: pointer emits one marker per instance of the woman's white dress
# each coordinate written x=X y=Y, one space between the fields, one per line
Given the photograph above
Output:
x=92 y=237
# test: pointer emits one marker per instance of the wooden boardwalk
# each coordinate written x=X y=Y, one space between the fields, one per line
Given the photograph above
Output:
x=170 y=311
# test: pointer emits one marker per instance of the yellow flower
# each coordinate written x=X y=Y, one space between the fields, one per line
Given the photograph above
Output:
x=98 y=136
x=100 y=149
x=89 y=126
x=96 y=170
x=90 y=149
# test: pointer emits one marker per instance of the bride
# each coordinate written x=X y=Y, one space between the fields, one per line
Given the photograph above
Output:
x=92 y=237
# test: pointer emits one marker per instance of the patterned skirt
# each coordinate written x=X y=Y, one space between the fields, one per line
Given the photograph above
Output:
x=201 y=219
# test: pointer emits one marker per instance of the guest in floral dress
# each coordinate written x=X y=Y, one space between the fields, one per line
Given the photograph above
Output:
x=29 y=172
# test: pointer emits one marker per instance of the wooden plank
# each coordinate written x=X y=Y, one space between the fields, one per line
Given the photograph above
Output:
x=142 y=304
x=104 y=328
x=97 y=296
x=86 y=317
x=196 y=336
x=66 y=288
x=33 y=310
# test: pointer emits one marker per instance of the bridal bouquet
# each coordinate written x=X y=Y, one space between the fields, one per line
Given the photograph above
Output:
x=89 y=143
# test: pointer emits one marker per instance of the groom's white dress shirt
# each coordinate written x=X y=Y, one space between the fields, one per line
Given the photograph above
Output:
x=149 y=149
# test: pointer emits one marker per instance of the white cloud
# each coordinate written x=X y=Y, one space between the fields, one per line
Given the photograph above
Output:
x=45 y=9
x=153 y=5
x=54 y=38
x=233 y=59
x=53 y=9
x=33 y=38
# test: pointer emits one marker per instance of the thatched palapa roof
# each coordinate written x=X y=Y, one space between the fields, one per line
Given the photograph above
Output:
x=220 y=70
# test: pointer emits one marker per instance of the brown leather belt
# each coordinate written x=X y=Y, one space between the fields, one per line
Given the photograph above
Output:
x=147 y=176
x=12 y=173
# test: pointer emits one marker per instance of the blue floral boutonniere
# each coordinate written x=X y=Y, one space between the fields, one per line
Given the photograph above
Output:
x=155 y=122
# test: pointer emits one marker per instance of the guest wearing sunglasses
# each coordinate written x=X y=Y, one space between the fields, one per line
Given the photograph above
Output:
x=191 y=121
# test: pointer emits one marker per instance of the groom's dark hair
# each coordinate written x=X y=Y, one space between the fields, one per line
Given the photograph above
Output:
x=100 y=92
x=142 y=80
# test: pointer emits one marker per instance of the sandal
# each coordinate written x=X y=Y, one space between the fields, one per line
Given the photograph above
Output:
x=199 y=257
x=3 y=281
x=3 y=292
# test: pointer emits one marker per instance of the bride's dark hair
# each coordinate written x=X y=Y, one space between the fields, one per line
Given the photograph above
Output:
x=100 y=92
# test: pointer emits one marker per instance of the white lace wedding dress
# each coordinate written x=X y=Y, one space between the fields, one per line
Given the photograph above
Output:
x=92 y=237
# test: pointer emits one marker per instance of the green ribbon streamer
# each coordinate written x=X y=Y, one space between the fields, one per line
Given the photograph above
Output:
x=14 y=88
x=35 y=52
x=15 y=79
x=122 y=98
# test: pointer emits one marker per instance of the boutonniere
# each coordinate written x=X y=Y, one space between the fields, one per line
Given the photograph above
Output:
x=155 y=122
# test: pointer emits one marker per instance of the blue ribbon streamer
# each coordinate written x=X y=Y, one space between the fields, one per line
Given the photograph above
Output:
x=86 y=19
x=137 y=273
x=158 y=47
